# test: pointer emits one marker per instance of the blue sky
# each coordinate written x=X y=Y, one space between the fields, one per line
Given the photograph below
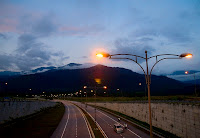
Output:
x=54 y=33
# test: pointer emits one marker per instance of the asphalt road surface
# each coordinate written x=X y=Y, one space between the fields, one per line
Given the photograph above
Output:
x=73 y=124
x=107 y=121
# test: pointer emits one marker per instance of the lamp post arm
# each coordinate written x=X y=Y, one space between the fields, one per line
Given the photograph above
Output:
x=164 y=55
x=126 y=55
x=135 y=62
x=157 y=63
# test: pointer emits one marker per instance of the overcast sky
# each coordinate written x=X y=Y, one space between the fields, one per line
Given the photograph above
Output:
x=54 y=33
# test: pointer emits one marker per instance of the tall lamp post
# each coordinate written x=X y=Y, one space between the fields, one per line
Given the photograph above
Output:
x=195 y=87
x=148 y=72
x=95 y=93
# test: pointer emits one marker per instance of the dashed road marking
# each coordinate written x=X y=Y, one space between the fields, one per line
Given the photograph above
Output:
x=120 y=124
x=66 y=122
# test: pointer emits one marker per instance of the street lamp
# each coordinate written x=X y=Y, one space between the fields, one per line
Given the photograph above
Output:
x=195 y=88
x=146 y=73
x=95 y=88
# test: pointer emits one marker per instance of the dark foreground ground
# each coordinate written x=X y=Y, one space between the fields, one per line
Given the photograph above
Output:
x=39 y=125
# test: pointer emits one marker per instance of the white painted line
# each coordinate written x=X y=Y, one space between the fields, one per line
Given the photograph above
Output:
x=76 y=121
x=85 y=121
x=105 y=121
x=97 y=124
x=66 y=122
x=120 y=124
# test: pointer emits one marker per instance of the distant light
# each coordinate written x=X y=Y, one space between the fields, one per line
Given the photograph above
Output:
x=117 y=89
x=91 y=90
x=186 y=72
x=85 y=87
x=30 y=89
x=104 y=87
x=140 y=83
x=97 y=80
x=102 y=54
x=189 y=56
x=99 y=55
x=104 y=92
x=6 y=83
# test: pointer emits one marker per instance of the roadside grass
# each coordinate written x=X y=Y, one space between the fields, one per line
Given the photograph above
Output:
x=39 y=125
x=127 y=99
x=93 y=125
x=140 y=123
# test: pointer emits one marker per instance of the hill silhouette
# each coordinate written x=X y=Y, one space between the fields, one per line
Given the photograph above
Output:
x=72 y=80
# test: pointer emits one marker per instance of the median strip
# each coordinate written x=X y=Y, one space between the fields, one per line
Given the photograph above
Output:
x=96 y=131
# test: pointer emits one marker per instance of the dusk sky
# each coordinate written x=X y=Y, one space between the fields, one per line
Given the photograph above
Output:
x=54 y=33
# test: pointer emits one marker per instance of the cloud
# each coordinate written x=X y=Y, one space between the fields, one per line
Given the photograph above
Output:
x=84 y=57
x=136 y=46
x=30 y=53
x=82 y=30
x=189 y=77
x=176 y=34
x=25 y=42
x=3 y=36
x=44 y=27
x=6 y=62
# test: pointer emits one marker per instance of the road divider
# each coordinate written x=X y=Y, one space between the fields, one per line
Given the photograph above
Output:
x=87 y=124
x=96 y=130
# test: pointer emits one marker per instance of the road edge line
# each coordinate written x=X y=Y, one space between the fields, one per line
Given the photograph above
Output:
x=129 y=121
x=66 y=122
x=104 y=134
x=101 y=130
x=87 y=123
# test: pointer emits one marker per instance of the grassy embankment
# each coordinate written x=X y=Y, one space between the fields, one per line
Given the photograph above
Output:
x=41 y=124
x=129 y=99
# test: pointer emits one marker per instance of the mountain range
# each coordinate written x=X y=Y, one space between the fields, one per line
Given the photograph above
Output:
x=73 y=77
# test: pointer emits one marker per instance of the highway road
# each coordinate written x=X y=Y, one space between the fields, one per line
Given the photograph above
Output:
x=106 y=122
x=73 y=124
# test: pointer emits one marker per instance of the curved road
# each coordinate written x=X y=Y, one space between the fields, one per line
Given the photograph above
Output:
x=73 y=124
x=107 y=121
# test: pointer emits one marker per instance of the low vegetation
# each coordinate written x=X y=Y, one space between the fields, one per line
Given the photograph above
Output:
x=41 y=124
x=129 y=99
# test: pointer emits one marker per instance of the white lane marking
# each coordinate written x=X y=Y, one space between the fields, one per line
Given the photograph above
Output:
x=66 y=122
x=119 y=123
x=105 y=121
x=122 y=136
x=76 y=120
x=85 y=122
x=97 y=123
